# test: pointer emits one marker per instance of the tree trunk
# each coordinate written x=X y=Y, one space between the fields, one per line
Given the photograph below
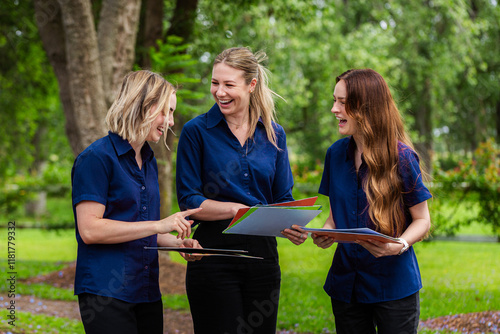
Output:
x=84 y=69
x=183 y=19
x=116 y=37
x=50 y=27
x=151 y=29
x=88 y=70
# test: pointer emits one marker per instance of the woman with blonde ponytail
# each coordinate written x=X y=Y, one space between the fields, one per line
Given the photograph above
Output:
x=231 y=157
x=373 y=179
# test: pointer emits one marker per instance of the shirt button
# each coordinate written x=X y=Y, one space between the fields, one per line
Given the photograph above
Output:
x=248 y=193
x=354 y=212
x=146 y=267
x=144 y=208
x=143 y=187
x=246 y=174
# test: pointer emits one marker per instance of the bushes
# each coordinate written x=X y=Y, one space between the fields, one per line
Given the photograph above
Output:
x=474 y=185
x=53 y=183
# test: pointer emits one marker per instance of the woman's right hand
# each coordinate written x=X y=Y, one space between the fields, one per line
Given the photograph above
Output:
x=178 y=222
x=322 y=241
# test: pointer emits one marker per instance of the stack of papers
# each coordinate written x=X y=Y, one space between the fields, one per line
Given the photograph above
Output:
x=270 y=220
x=352 y=234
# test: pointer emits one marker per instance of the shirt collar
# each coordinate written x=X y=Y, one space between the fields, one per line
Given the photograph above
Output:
x=122 y=146
x=215 y=116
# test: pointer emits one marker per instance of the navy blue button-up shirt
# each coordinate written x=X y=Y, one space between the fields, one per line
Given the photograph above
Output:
x=355 y=272
x=107 y=172
x=212 y=164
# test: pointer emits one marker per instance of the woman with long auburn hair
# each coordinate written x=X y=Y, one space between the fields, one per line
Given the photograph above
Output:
x=373 y=179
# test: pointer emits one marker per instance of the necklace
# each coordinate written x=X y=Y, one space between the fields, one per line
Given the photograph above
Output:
x=238 y=126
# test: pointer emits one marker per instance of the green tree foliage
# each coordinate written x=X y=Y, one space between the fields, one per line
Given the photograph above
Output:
x=429 y=52
x=32 y=138
x=170 y=58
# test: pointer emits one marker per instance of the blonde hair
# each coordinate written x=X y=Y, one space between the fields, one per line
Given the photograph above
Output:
x=370 y=103
x=130 y=114
x=262 y=98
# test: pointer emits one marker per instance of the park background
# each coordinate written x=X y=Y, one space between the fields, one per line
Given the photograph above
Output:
x=61 y=63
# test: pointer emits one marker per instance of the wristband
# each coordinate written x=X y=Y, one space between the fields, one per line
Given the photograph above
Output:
x=405 y=247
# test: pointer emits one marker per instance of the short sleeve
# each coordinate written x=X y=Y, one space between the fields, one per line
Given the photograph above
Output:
x=189 y=170
x=283 y=180
x=89 y=178
x=414 y=189
x=324 y=187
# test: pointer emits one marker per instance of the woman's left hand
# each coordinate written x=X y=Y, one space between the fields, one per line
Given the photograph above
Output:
x=295 y=234
x=191 y=243
x=379 y=249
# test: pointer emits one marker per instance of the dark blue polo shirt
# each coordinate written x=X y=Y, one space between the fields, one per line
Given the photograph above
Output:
x=107 y=172
x=212 y=164
x=355 y=272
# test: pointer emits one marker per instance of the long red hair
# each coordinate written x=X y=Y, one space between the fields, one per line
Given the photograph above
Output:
x=369 y=102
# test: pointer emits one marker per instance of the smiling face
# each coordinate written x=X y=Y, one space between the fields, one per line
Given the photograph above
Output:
x=347 y=125
x=158 y=127
x=230 y=90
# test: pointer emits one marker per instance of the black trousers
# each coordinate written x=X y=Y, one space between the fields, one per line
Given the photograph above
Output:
x=392 y=317
x=109 y=315
x=233 y=298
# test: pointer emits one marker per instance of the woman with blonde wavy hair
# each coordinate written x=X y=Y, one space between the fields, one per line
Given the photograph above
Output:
x=231 y=157
x=116 y=204
x=373 y=179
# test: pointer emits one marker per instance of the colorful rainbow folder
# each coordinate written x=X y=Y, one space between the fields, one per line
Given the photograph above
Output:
x=270 y=220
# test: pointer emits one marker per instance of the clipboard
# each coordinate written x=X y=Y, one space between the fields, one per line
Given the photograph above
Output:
x=351 y=235
x=207 y=251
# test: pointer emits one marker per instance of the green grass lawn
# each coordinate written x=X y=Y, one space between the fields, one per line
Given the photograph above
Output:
x=31 y=323
x=458 y=277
